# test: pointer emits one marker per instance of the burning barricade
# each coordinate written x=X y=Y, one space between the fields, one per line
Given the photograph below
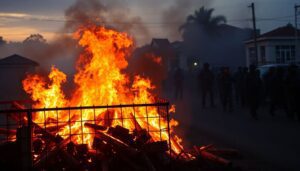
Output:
x=110 y=121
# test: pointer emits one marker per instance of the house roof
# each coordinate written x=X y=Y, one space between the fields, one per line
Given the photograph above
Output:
x=285 y=32
x=17 y=60
x=160 y=42
x=226 y=27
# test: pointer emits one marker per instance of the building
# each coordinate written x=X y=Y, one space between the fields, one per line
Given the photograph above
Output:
x=13 y=70
x=275 y=47
x=164 y=49
x=223 y=47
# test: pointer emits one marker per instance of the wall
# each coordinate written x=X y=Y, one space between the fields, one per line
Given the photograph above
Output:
x=11 y=82
x=271 y=49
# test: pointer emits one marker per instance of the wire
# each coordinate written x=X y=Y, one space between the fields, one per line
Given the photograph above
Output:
x=146 y=23
x=152 y=25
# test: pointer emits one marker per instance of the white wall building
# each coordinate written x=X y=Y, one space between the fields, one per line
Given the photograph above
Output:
x=278 y=46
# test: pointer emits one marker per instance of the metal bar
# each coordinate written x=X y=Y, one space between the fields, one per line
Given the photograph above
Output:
x=94 y=110
x=45 y=127
x=70 y=125
x=81 y=125
x=108 y=117
x=57 y=120
x=82 y=107
x=122 y=119
x=134 y=117
x=169 y=131
x=147 y=116
x=159 y=124
x=29 y=140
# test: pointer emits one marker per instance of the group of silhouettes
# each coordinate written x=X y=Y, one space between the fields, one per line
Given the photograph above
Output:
x=278 y=88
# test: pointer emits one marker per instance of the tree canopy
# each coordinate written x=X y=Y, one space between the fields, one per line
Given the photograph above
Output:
x=35 y=39
x=202 y=20
x=2 y=41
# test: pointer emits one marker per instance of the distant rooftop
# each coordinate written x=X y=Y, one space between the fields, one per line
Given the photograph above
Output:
x=17 y=60
x=160 y=42
x=285 y=32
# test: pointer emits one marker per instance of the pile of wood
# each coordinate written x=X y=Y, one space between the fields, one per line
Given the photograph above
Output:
x=113 y=148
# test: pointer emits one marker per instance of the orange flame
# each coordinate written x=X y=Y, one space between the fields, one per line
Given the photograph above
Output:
x=156 y=59
x=99 y=81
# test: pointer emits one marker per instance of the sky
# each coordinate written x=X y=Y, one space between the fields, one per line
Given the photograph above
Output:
x=20 y=18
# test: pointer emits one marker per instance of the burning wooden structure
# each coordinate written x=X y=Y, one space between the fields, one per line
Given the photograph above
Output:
x=28 y=145
x=40 y=145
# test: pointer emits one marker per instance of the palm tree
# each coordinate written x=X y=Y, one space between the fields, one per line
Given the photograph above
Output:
x=202 y=19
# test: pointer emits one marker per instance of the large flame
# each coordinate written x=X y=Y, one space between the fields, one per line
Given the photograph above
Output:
x=99 y=81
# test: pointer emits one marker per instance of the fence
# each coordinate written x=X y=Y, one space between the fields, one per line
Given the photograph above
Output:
x=40 y=133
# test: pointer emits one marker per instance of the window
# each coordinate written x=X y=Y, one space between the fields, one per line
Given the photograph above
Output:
x=263 y=54
x=252 y=58
x=285 y=54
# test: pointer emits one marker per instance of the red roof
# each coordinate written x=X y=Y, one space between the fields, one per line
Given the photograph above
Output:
x=286 y=31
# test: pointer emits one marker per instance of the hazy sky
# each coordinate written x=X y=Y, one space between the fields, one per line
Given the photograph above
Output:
x=19 y=18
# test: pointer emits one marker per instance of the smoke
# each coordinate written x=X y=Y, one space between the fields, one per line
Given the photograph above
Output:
x=143 y=63
x=114 y=14
x=63 y=50
x=83 y=12
x=175 y=15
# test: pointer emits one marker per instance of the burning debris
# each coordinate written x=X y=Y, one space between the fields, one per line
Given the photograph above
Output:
x=99 y=81
x=41 y=146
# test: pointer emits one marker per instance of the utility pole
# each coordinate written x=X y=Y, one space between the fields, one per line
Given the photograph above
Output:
x=296 y=31
x=254 y=34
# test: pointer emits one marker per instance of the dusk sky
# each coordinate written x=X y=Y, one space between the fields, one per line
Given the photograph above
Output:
x=20 y=18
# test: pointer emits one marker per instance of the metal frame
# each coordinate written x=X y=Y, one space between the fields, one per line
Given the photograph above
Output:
x=162 y=108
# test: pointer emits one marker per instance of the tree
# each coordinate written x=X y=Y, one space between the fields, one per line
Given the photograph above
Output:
x=202 y=20
x=2 y=41
x=35 y=39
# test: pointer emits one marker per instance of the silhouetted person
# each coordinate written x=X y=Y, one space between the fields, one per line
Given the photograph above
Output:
x=293 y=92
x=277 y=92
x=253 y=84
x=206 y=79
x=219 y=76
x=267 y=80
x=238 y=82
x=225 y=84
x=244 y=86
x=178 y=80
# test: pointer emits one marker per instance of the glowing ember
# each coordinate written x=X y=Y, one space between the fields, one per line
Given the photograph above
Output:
x=99 y=81
x=156 y=59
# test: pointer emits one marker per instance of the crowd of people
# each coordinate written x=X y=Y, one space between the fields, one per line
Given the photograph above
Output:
x=278 y=89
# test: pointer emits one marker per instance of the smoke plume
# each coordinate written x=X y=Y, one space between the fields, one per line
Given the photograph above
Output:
x=114 y=14
x=62 y=51
x=174 y=16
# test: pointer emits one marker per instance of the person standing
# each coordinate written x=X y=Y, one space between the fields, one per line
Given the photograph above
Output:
x=268 y=84
x=238 y=79
x=253 y=90
x=206 y=82
x=293 y=92
x=225 y=84
x=277 y=92
x=244 y=87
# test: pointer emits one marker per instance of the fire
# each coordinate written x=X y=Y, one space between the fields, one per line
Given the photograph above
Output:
x=156 y=59
x=99 y=81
